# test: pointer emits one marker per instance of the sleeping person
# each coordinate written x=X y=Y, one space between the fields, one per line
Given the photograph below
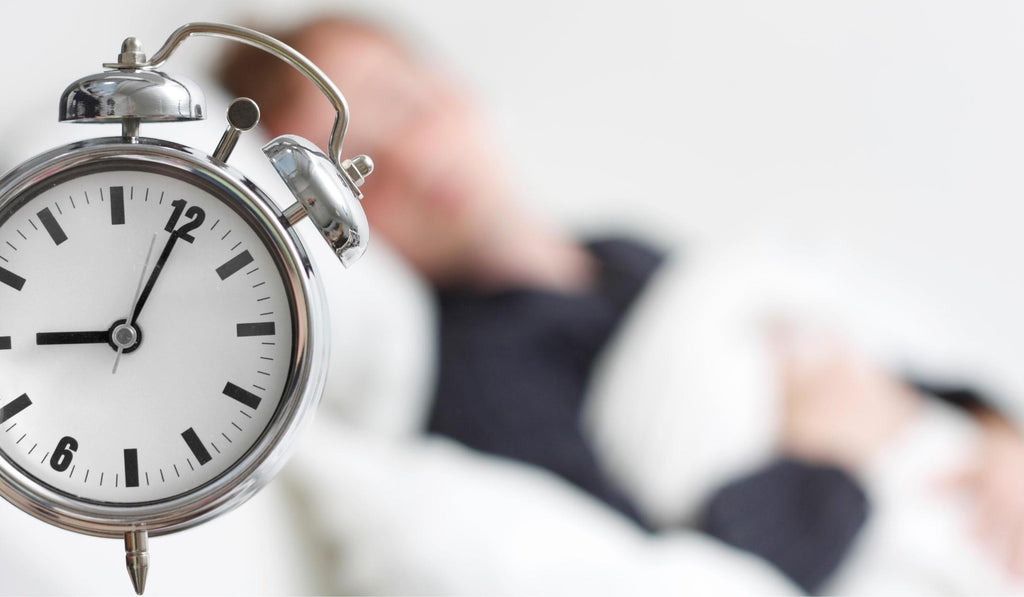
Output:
x=539 y=334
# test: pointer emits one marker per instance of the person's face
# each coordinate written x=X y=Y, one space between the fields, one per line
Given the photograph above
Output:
x=434 y=180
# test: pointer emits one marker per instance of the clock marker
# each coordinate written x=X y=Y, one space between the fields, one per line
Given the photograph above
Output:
x=14 y=407
x=11 y=279
x=245 y=397
x=52 y=226
x=242 y=428
x=117 y=206
x=262 y=328
x=234 y=264
x=131 y=468
x=196 y=445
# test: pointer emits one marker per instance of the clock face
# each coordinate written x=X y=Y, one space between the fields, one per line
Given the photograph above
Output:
x=145 y=336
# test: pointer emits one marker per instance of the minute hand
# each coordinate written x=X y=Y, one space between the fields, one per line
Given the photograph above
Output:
x=153 y=277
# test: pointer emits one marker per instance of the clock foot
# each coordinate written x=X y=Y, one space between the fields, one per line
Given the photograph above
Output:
x=136 y=548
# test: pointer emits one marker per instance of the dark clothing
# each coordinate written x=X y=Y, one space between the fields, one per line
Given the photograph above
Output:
x=802 y=518
x=962 y=397
x=514 y=368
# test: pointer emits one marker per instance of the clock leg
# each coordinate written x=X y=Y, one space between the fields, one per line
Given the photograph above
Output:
x=136 y=548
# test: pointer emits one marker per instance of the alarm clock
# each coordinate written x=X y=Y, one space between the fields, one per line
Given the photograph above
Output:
x=163 y=332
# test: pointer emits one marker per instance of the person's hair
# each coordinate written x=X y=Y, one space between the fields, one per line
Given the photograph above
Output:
x=246 y=71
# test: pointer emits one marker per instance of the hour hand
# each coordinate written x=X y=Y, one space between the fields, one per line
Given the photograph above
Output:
x=44 y=338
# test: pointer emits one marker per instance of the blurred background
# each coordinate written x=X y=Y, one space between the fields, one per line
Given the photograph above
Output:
x=875 y=137
x=887 y=130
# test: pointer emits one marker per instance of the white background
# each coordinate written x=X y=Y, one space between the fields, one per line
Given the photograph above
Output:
x=888 y=130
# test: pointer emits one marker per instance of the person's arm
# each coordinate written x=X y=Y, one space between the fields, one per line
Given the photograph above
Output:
x=803 y=512
x=994 y=479
x=800 y=517
x=842 y=409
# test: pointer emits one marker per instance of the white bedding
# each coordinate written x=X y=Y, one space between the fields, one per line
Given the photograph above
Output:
x=686 y=398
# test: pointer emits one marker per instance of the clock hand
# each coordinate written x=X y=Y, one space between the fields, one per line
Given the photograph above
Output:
x=135 y=300
x=92 y=337
x=48 y=338
x=153 y=278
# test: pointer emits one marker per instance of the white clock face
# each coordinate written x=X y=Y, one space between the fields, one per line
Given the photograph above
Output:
x=201 y=335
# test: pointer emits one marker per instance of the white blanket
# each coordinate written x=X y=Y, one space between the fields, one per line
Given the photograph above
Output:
x=687 y=398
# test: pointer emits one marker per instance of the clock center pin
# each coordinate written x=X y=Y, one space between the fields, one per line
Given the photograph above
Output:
x=124 y=336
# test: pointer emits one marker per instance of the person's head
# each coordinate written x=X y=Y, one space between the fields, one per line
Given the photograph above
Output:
x=436 y=190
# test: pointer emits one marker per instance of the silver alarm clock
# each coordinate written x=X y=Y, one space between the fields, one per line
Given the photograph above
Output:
x=163 y=334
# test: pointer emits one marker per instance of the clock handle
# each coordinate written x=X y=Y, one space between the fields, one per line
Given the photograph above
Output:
x=273 y=47
x=326 y=187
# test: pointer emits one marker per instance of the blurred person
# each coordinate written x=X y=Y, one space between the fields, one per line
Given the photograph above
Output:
x=526 y=312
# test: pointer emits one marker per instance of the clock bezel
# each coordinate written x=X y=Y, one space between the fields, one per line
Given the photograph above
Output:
x=308 y=359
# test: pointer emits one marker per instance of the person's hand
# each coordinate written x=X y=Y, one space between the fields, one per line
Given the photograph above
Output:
x=841 y=409
x=995 y=482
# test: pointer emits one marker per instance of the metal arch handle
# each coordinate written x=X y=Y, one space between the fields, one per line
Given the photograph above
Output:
x=277 y=49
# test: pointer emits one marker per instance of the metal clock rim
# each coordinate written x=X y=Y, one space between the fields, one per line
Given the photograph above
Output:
x=309 y=356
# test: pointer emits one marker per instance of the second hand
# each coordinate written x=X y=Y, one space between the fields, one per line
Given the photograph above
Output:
x=135 y=300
